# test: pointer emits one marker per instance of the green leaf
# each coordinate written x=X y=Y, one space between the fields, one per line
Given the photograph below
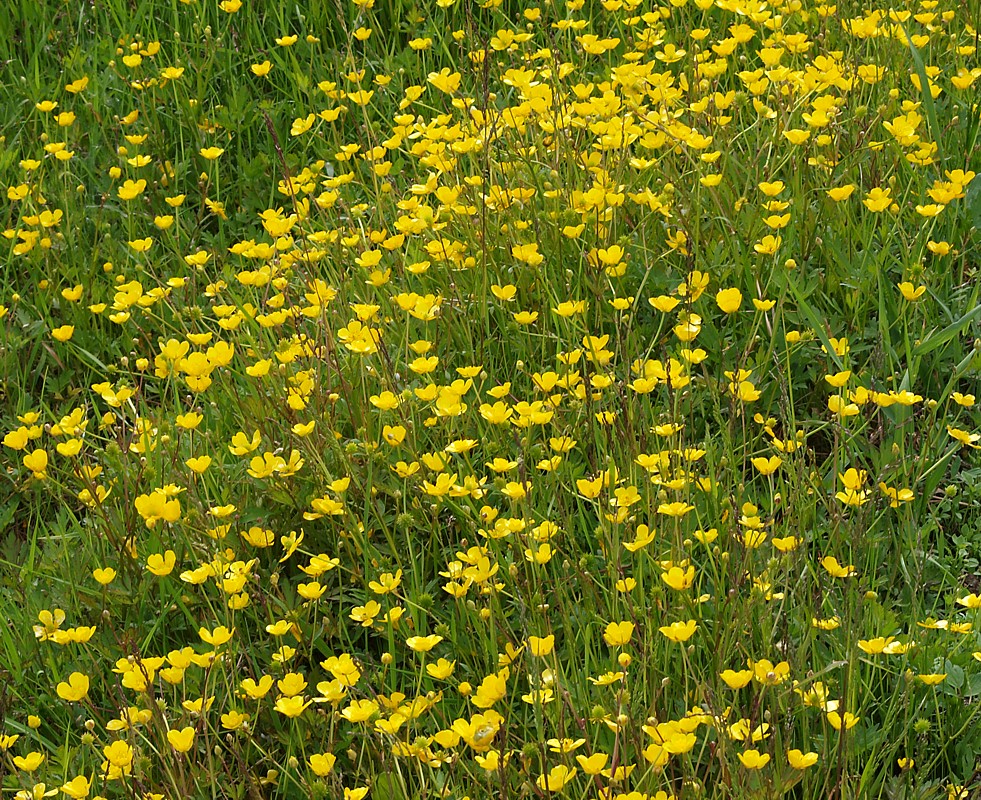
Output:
x=386 y=787
x=7 y=512
x=973 y=203
x=955 y=675
x=937 y=472
x=973 y=686
x=941 y=337
x=815 y=323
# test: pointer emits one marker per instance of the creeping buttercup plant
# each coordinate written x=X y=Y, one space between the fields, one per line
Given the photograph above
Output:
x=442 y=400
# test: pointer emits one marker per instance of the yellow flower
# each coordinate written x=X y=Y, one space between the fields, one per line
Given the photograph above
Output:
x=736 y=679
x=77 y=787
x=679 y=631
x=241 y=444
x=162 y=564
x=480 y=730
x=37 y=792
x=729 y=300
x=840 y=193
x=492 y=689
x=768 y=673
x=541 y=645
x=678 y=578
x=30 y=762
x=423 y=644
x=386 y=583
x=592 y=765
x=835 y=569
x=37 y=463
x=17 y=439
x=63 y=333
x=322 y=764
x=896 y=496
x=119 y=754
x=875 y=646
x=130 y=190
x=233 y=720
x=291 y=706
x=664 y=303
x=211 y=153
x=556 y=778
x=838 y=405
x=910 y=292
x=444 y=80
x=189 y=421
x=878 y=199
x=800 y=760
x=796 y=136
x=199 y=464
x=303 y=429
x=104 y=575
x=767 y=466
x=257 y=690
x=156 y=506
x=394 y=435
x=441 y=670
x=216 y=638
x=75 y=689
x=754 y=759
x=366 y=614
x=360 y=710
x=300 y=126
x=676 y=509
x=361 y=97
x=771 y=189
x=768 y=245
x=618 y=634
x=966 y=438
x=181 y=740
x=852 y=478
x=141 y=245
x=706 y=537
x=838 y=379
x=848 y=720
x=528 y=254
x=504 y=293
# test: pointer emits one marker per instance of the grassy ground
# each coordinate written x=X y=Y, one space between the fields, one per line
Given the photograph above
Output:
x=442 y=400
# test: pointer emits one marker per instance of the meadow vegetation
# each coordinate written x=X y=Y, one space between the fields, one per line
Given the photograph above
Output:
x=453 y=400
